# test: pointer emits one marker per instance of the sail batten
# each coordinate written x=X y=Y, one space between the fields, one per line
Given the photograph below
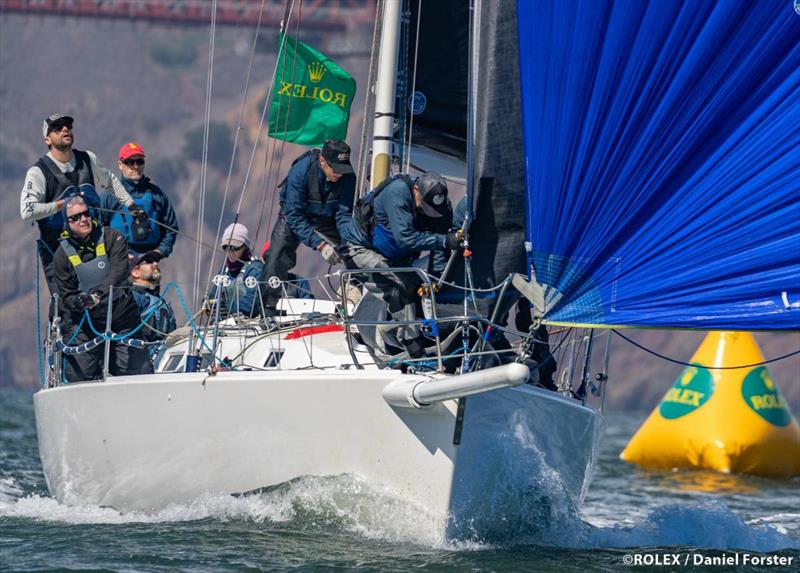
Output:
x=662 y=161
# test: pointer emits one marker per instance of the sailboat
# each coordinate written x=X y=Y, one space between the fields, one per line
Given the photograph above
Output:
x=622 y=128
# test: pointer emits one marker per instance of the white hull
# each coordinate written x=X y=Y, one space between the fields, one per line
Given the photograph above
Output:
x=141 y=443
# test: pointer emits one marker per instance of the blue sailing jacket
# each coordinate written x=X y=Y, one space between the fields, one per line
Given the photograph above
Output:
x=155 y=203
x=335 y=200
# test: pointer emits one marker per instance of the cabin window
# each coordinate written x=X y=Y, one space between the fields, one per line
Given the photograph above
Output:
x=274 y=359
x=172 y=363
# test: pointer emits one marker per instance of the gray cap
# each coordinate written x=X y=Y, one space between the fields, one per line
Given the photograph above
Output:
x=433 y=190
x=235 y=235
x=47 y=126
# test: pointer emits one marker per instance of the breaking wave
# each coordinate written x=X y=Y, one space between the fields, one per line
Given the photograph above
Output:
x=349 y=504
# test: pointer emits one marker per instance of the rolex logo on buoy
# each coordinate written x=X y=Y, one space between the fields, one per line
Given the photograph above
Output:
x=691 y=390
x=723 y=413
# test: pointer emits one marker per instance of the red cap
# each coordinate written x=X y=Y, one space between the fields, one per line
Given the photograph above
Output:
x=129 y=150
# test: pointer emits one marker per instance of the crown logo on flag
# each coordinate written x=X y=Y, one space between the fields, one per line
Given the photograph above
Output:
x=316 y=71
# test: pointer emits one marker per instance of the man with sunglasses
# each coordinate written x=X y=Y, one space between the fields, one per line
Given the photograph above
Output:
x=156 y=235
x=59 y=174
x=90 y=259
x=154 y=311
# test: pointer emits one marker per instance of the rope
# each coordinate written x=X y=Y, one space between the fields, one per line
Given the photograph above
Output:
x=204 y=170
x=274 y=145
x=193 y=326
x=682 y=363
x=413 y=90
x=366 y=124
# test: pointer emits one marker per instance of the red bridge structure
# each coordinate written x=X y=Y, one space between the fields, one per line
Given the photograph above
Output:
x=320 y=14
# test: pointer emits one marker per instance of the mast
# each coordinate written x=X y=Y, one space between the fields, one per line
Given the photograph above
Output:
x=383 y=126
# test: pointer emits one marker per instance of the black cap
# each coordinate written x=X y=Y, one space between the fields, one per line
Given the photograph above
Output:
x=433 y=189
x=56 y=120
x=337 y=153
x=135 y=259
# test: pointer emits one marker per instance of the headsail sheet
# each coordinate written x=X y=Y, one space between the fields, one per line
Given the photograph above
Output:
x=662 y=151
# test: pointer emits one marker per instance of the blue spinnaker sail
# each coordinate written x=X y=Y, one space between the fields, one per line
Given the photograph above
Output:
x=662 y=147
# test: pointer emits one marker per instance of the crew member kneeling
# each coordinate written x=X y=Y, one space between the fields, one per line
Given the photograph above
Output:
x=89 y=260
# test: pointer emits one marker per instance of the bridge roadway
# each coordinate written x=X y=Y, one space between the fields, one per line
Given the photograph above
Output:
x=330 y=15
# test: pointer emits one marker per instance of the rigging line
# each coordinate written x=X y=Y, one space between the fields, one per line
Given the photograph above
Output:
x=366 y=121
x=160 y=224
x=668 y=359
x=236 y=140
x=269 y=151
x=413 y=89
x=288 y=108
x=255 y=144
x=204 y=168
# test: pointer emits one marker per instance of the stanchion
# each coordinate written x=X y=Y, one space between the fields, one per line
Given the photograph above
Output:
x=107 y=350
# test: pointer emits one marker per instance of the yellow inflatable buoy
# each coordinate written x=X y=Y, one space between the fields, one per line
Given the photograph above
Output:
x=725 y=420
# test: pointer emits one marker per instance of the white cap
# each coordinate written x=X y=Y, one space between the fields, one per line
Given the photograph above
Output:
x=235 y=235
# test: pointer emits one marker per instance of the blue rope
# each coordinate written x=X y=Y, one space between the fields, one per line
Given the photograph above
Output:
x=193 y=326
x=125 y=338
x=142 y=320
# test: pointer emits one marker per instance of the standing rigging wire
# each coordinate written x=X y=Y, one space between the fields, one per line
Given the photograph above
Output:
x=235 y=144
x=204 y=168
x=413 y=90
x=272 y=153
x=369 y=101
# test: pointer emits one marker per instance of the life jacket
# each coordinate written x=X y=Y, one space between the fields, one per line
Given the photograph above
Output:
x=59 y=185
x=91 y=274
x=124 y=223
x=364 y=211
x=312 y=176
x=158 y=313
x=238 y=297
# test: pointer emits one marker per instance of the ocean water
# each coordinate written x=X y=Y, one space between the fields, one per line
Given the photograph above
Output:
x=341 y=523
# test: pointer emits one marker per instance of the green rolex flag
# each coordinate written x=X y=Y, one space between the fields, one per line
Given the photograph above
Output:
x=312 y=96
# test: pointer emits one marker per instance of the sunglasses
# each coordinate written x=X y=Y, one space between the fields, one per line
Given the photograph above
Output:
x=78 y=216
x=132 y=162
x=227 y=248
x=58 y=125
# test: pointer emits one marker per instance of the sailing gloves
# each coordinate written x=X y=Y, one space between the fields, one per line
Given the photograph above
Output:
x=86 y=300
x=453 y=241
x=328 y=253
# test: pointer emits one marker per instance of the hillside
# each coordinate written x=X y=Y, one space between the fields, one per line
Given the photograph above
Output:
x=139 y=81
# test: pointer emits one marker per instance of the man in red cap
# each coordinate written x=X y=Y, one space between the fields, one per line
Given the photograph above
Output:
x=58 y=175
x=158 y=236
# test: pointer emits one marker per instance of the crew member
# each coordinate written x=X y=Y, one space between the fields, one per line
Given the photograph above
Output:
x=159 y=234
x=316 y=198
x=240 y=264
x=383 y=235
x=155 y=312
x=89 y=260
x=56 y=176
